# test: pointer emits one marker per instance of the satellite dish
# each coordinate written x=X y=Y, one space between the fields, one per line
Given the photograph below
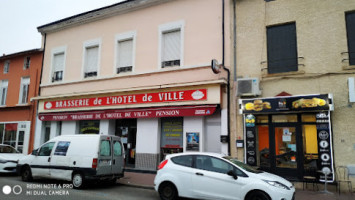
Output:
x=215 y=67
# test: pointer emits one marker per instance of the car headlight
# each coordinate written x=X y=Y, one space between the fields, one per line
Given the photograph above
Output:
x=277 y=184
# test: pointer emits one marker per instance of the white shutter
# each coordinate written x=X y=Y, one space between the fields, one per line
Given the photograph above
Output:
x=171 y=46
x=125 y=53
x=92 y=58
x=58 y=62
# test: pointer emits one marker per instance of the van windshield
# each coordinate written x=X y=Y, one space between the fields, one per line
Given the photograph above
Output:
x=243 y=165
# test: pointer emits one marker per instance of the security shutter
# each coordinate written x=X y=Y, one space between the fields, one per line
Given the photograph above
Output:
x=91 y=61
x=125 y=55
x=171 y=46
x=282 y=48
x=350 y=27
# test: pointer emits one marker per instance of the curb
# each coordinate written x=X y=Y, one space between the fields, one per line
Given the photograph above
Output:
x=148 y=187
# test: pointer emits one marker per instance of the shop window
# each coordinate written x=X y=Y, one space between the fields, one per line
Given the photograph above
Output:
x=285 y=147
x=47 y=131
x=105 y=148
x=1 y=133
x=171 y=135
x=262 y=119
x=284 y=118
x=21 y=138
x=310 y=146
x=10 y=134
x=282 y=48
x=263 y=146
x=89 y=127
x=309 y=118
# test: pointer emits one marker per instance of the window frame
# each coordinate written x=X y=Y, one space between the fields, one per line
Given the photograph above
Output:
x=348 y=39
x=27 y=62
x=86 y=45
x=21 y=90
x=169 y=27
x=1 y=93
x=6 y=66
x=120 y=38
x=56 y=51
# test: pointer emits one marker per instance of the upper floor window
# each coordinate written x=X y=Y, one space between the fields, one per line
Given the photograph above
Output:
x=6 y=67
x=171 y=47
x=91 y=59
x=125 y=53
x=3 y=92
x=350 y=28
x=26 y=63
x=58 y=66
x=282 y=48
x=25 y=84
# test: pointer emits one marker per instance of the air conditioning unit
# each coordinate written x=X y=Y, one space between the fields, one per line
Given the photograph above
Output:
x=248 y=87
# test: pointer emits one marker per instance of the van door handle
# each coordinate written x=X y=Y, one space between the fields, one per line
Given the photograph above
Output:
x=49 y=159
x=199 y=174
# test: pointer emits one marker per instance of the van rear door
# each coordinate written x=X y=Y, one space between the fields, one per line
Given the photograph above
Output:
x=105 y=156
x=118 y=156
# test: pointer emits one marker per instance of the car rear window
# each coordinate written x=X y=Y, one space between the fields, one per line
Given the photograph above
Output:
x=183 y=160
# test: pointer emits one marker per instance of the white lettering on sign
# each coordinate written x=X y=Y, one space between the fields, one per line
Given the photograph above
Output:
x=171 y=96
x=167 y=113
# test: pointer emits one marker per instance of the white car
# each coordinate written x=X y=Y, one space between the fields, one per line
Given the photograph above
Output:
x=214 y=176
x=9 y=157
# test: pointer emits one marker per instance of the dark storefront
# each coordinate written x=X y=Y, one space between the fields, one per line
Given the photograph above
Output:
x=289 y=136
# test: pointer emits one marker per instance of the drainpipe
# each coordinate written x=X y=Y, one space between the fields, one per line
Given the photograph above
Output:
x=228 y=82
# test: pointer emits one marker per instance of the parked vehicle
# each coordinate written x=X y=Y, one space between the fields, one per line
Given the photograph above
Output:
x=9 y=157
x=76 y=158
x=214 y=176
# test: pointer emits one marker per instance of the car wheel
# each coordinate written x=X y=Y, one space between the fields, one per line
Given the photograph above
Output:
x=258 y=195
x=167 y=191
x=26 y=174
x=78 y=180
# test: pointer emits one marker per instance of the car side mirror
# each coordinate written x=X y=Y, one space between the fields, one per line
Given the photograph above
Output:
x=231 y=173
x=34 y=152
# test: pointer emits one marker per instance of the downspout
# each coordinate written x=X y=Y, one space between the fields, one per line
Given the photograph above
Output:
x=235 y=39
x=44 y=50
x=228 y=82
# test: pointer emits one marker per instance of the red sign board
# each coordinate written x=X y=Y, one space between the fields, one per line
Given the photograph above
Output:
x=131 y=113
x=158 y=97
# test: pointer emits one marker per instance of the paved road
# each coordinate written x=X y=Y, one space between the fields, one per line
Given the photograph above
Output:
x=49 y=189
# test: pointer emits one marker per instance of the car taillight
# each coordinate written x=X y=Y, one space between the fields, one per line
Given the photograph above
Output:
x=162 y=164
x=94 y=163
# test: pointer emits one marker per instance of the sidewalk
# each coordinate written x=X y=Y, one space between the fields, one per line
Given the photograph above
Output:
x=146 y=180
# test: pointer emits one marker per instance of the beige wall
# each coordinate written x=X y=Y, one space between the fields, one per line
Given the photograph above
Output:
x=202 y=42
x=321 y=38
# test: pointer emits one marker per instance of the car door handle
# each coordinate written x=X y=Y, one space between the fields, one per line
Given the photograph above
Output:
x=49 y=159
x=199 y=174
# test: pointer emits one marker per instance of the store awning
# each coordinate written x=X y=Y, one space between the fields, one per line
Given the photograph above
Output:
x=178 y=111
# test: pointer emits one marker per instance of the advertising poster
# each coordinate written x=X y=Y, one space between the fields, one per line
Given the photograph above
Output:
x=193 y=141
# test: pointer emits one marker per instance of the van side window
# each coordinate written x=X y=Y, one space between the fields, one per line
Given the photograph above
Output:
x=61 y=149
x=105 y=148
x=117 y=150
x=46 y=149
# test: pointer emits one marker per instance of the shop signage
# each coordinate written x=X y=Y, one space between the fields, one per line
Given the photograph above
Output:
x=321 y=102
x=325 y=161
x=250 y=140
x=131 y=113
x=158 y=97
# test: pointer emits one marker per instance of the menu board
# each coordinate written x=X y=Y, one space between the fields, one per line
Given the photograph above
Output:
x=172 y=132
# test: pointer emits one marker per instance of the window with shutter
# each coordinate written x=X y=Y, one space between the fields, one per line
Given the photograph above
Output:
x=23 y=98
x=171 y=48
x=282 y=48
x=4 y=85
x=350 y=28
x=125 y=55
x=91 y=61
x=58 y=66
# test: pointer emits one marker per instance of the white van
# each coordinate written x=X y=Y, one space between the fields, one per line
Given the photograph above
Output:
x=76 y=158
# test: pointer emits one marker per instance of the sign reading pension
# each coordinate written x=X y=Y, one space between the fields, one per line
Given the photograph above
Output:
x=158 y=97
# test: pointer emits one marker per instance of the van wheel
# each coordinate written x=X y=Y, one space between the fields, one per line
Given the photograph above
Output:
x=167 y=191
x=258 y=195
x=26 y=174
x=78 y=180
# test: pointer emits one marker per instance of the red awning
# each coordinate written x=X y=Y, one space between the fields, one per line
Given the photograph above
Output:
x=131 y=113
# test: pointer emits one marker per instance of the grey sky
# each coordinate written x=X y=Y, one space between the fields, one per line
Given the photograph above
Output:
x=19 y=19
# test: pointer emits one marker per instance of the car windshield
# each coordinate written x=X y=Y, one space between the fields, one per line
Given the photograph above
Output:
x=7 y=149
x=243 y=165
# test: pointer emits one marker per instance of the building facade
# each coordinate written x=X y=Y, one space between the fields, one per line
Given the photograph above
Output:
x=299 y=118
x=140 y=70
x=19 y=82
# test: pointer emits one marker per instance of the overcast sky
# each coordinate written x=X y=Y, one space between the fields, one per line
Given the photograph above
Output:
x=19 y=19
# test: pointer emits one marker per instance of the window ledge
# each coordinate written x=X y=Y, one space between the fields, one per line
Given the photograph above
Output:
x=349 y=67
x=23 y=105
x=283 y=74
